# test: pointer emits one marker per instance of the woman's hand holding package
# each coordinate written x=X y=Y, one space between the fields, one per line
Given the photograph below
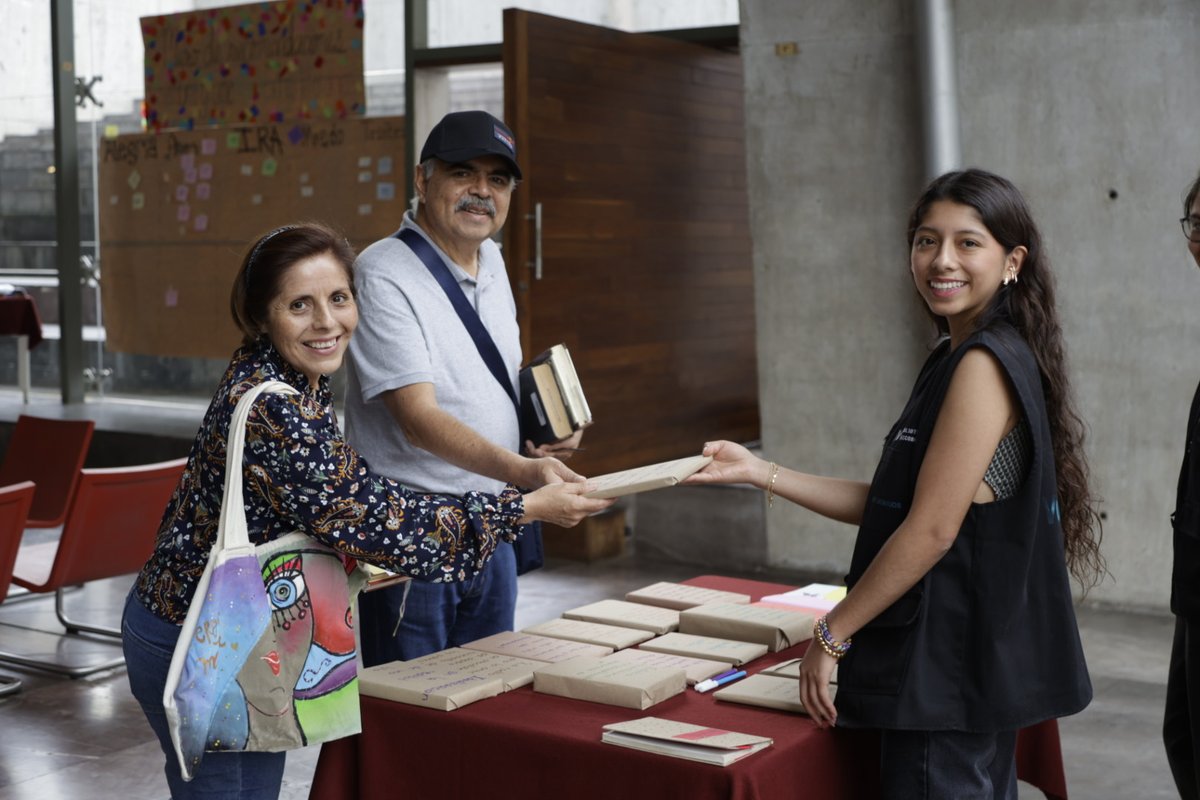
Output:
x=562 y=504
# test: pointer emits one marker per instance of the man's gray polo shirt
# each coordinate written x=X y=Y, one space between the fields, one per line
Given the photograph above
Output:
x=409 y=333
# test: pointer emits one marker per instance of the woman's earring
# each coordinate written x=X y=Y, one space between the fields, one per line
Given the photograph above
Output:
x=1007 y=279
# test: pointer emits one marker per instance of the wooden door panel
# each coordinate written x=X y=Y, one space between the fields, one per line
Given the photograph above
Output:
x=634 y=146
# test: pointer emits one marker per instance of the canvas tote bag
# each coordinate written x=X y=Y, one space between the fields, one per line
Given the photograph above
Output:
x=266 y=657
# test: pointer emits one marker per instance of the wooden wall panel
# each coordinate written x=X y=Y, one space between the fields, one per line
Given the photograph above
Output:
x=634 y=146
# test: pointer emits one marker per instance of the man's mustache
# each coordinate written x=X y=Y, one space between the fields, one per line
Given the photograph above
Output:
x=484 y=204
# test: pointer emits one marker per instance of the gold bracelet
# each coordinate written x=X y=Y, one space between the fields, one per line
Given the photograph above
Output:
x=771 y=484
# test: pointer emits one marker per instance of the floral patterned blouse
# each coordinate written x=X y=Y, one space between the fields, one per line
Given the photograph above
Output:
x=300 y=474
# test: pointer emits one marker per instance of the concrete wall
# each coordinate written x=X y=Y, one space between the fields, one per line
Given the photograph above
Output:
x=1093 y=109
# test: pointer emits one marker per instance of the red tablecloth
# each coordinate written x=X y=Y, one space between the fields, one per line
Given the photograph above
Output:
x=527 y=745
x=19 y=317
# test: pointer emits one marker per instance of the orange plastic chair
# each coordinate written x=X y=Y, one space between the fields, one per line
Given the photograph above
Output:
x=109 y=531
x=14 y=508
x=49 y=452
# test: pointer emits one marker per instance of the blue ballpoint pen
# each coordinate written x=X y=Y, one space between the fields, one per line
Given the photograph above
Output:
x=713 y=683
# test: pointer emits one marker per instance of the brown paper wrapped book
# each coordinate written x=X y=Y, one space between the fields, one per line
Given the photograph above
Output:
x=791 y=669
x=689 y=644
x=627 y=615
x=696 y=669
x=644 y=479
x=614 y=636
x=777 y=628
x=680 y=596
x=447 y=679
x=767 y=691
x=537 y=648
x=617 y=683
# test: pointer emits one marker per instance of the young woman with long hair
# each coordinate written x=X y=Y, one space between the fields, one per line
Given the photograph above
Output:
x=959 y=627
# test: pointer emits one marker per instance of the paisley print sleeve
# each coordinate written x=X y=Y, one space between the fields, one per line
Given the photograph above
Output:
x=301 y=474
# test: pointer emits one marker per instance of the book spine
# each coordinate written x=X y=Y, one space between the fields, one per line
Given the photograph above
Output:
x=569 y=386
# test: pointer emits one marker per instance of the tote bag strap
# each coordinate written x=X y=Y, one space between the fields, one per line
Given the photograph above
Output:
x=231 y=531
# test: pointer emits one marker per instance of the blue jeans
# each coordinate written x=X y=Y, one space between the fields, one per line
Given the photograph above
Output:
x=438 y=615
x=149 y=643
x=929 y=765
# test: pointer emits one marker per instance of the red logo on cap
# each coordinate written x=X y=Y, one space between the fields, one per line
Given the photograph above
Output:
x=504 y=137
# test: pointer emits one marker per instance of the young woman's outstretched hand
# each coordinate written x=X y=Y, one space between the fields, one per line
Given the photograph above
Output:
x=731 y=463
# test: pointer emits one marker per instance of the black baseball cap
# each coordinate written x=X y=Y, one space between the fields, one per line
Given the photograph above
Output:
x=463 y=135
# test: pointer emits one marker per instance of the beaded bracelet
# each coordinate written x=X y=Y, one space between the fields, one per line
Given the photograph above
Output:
x=832 y=646
x=771 y=484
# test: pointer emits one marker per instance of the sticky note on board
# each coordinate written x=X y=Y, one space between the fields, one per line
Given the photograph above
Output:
x=201 y=222
x=203 y=191
x=364 y=161
x=233 y=140
x=364 y=209
x=113 y=199
x=181 y=193
x=384 y=165
x=268 y=167
x=171 y=297
x=385 y=191
x=306 y=191
x=111 y=131
x=365 y=176
x=256 y=199
x=189 y=176
x=304 y=177
x=208 y=146
x=187 y=161
x=138 y=201
x=183 y=212
x=134 y=179
x=247 y=170
x=205 y=171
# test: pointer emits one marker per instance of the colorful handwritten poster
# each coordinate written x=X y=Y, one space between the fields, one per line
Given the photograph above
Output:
x=267 y=62
x=164 y=236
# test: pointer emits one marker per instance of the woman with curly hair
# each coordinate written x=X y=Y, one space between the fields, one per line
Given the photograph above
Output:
x=959 y=627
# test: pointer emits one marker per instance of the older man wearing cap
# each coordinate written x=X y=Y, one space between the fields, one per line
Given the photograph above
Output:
x=425 y=404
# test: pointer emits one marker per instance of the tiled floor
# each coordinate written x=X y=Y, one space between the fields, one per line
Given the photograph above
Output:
x=86 y=738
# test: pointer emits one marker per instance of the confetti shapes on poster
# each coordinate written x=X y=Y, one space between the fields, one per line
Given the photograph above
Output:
x=252 y=64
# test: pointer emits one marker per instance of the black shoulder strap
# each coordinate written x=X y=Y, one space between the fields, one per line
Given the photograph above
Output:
x=470 y=318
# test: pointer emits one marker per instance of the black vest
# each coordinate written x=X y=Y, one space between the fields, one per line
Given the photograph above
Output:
x=1185 y=574
x=987 y=640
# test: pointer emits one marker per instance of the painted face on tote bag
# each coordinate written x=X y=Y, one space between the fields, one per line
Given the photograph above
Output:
x=308 y=650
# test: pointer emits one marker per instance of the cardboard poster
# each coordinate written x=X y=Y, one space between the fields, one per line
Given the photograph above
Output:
x=267 y=62
x=179 y=209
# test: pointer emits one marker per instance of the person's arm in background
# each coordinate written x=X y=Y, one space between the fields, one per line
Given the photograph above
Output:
x=415 y=409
